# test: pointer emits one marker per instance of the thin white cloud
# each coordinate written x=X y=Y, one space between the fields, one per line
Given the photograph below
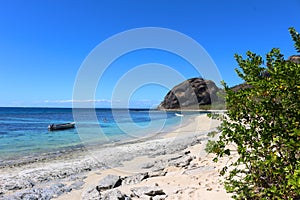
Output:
x=137 y=103
x=144 y=103
x=80 y=101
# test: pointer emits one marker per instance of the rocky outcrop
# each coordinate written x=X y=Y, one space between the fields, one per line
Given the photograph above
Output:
x=148 y=191
x=241 y=86
x=130 y=180
x=190 y=94
x=111 y=187
x=109 y=182
x=295 y=59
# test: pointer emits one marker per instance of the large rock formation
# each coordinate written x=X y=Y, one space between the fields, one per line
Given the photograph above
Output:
x=190 y=94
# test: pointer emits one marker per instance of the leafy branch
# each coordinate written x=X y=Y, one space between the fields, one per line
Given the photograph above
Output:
x=262 y=121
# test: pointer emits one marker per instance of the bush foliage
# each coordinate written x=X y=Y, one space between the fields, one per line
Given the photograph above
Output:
x=262 y=122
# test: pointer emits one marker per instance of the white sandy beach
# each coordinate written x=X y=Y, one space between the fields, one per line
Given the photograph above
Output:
x=175 y=164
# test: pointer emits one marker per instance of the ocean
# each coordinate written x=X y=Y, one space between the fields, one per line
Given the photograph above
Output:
x=24 y=133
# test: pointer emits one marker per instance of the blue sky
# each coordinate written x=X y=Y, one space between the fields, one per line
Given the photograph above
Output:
x=43 y=43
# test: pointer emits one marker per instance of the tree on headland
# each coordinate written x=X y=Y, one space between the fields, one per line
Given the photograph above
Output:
x=262 y=123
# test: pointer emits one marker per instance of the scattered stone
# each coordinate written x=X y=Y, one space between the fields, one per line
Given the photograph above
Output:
x=193 y=166
x=18 y=184
x=180 y=191
x=130 y=180
x=58 y=189
x=77 y=185
x=76 y=177
x=144 y=197
x=147 y=190
x=157 y=168
x=109 y=182
x=34 y=194
x=187 y=152
x=91 y=194
x=209 y=189
x=181 y=162
x=41 y=193
x=114 y=194
x=159 y=165
x=157 y=173
x=159 y=197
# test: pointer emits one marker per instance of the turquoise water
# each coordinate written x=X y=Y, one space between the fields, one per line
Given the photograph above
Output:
x=23 y=131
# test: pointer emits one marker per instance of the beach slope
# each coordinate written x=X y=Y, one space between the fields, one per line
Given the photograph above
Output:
x=167 y=166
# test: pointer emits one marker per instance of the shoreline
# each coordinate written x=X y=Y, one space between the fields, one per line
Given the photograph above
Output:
x=65 y=152
x=64 y=177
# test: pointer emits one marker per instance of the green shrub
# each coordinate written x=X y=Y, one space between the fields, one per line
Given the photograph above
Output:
x=262 y=121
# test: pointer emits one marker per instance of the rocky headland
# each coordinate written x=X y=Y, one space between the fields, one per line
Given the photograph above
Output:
x=191 y=94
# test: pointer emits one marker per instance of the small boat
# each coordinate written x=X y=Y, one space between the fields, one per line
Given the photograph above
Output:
x=54 y=127
x=179 y=115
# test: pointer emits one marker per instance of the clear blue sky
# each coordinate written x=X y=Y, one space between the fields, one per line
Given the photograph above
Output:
x=43 y=43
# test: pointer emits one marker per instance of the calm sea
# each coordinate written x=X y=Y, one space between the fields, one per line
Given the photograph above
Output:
x=23 y=131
